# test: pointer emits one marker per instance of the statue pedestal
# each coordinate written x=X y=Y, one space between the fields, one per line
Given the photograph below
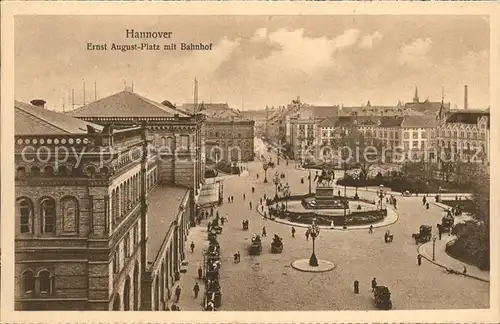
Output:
x=324 y=192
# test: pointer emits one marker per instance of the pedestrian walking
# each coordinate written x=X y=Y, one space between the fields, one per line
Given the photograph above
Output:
x=264 y=233
x=211 y=211
x=370 y=229
x=427 y=206
x=244 y=196
x=260 y=200
x=232 y=199
x=424 y=201
x=229 y=199
x=419 y=259
x=253 y=189
x=196 y=290
x=293 y=231
x=200 y=273
x=222 y=220
x=257 y=176
x=374 y=284
x=307 y=235
x=217 y=214
x=177 y=293
x=250 y=204
x=265 y=196
x=192 y=246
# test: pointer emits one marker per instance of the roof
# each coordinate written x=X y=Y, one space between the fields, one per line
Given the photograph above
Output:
x=428 y=106
x=391 y=121
x=419 y=121
x=467 y=117
x=126 y=104
x=34 y=120
x=163 y=209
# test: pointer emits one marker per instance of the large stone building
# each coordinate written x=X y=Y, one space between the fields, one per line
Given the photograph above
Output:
x=405 y=135
x=229 y=139
x=465 y=133
x=178 y=136
x=228 y=136
x=98 y=226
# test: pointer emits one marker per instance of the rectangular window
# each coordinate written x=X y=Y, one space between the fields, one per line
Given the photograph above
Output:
x=424 y=134
x=483 y=136
x=474 y=135
x=406 y=145
x=406 y=135
x=414 y=144
x=462 y=134
x=455 y=134
x=415 y=134
x=185 y=142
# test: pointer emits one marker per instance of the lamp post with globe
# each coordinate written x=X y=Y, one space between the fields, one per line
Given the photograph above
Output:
x=276 y=181
x=286 y=193
x=381 y=195
x=314 y=232
x=265 y=167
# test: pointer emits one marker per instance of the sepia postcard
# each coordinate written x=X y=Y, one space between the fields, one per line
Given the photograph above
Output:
x=254 y=163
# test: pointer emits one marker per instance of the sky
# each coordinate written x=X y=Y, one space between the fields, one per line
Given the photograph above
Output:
x=257 y=60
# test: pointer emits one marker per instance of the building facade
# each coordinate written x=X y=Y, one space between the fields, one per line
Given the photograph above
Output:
x=178 y=137
x=231 y=140
x=466 y=133
x=87 y=234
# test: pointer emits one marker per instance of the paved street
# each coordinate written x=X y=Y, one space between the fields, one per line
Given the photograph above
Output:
x=267 y=281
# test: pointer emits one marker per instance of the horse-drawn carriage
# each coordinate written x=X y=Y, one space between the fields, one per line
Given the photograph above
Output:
x=406 y=193
x=256 y=245
x=245 y=224
x=212 y=235
x=382 y=297
x=270 y=164
x=214 y=225
x=277 y=244
x=424 y=235
x=447 y=223
x=388 y=237
x=213 y=295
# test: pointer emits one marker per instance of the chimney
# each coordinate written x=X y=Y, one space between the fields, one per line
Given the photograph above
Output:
x=38 y=102
x=466 y=101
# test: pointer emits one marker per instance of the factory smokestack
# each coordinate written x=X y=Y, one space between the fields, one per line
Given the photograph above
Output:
x=466 y=99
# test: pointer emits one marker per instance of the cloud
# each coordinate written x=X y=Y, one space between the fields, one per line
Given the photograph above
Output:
x=300 y=53
x=368 y=40
x=415 y=53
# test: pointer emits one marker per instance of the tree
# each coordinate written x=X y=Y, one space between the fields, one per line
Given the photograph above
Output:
x=364 y=153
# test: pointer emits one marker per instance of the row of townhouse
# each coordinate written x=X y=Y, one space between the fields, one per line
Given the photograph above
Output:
x=464 y=132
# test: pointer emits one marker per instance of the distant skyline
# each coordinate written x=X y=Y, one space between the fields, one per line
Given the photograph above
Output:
x=258 y=60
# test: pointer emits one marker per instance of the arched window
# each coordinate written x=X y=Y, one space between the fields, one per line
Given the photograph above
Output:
x=48 y=171
x=163 y=142
x=69 y=212
x=25 y=210
x=46 y=281
x=28 y=282
x=170 y=142
x=90 y=171
x=21 y=172
x=48 y=213
x=35 y=171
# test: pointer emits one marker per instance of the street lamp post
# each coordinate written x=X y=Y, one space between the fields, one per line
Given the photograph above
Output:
x=314 y=232
x=309 y=181
x=265 y=167
x=276 y=181
x=434 y=248
x=287 y=194
x=345 y=193
x=381 y=195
